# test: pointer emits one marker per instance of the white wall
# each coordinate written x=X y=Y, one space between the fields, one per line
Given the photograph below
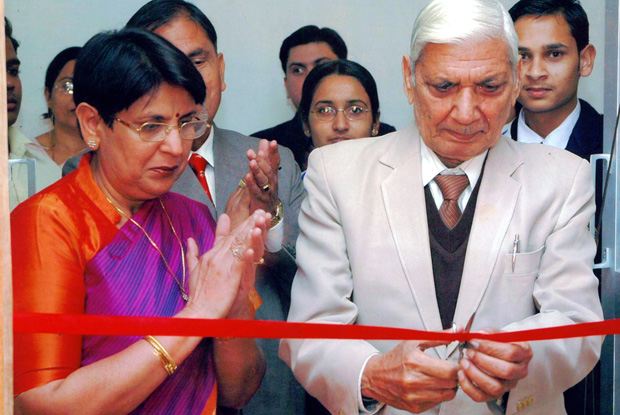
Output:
x=250 y=34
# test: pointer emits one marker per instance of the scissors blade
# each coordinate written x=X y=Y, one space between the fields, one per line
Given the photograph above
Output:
x=462 y=345
x=466 y=345
x=469 y=323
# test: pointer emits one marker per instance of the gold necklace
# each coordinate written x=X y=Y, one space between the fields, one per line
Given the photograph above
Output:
x=174 y=231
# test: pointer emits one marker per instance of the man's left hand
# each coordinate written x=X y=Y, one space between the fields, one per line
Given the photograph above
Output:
x=262 y=179
x=491 y=369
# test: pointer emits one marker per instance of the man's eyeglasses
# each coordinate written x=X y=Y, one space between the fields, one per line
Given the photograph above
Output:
x=65 y=87
x=156 y=131
x=328 y=112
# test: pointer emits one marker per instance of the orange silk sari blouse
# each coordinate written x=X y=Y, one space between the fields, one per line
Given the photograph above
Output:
x=53 y=236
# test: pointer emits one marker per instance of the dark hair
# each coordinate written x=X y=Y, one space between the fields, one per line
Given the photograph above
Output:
x=338 y=67
x=115 y=69
x=571 y=10
x=312 y=34
x=157 y=13
x=54 y=69
x=8 y=33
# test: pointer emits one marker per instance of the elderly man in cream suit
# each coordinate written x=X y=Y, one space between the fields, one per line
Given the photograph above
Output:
x=384 y=242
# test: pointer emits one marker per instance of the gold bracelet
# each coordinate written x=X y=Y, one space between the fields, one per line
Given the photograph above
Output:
x=160 y=351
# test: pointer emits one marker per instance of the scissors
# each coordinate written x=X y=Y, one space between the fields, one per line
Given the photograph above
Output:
x=463 y=345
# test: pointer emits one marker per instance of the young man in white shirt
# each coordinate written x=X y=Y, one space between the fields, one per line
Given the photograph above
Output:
x=555 y=54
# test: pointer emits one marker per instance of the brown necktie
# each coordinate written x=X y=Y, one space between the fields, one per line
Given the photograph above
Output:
x=451 y=187
x=199 y=164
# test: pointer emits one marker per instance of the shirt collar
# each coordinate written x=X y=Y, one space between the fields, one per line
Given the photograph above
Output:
x=206 y=150
x=432 y=166
x=556 y=138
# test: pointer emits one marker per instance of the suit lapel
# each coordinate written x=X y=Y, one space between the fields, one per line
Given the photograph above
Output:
x=497 y=199
x=404 y=201
x=227 y=173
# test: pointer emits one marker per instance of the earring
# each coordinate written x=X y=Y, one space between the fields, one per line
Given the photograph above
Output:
x=374 y=131
x=91 y=143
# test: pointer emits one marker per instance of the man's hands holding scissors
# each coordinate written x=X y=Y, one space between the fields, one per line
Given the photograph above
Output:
x=489 y=369
x=409 y=379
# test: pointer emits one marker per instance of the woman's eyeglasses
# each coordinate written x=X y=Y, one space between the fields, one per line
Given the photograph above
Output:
x=65 y=87
x=328 y=112
x=156 y=131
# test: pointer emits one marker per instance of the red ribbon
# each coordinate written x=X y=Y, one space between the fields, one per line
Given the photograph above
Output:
x=84 y=324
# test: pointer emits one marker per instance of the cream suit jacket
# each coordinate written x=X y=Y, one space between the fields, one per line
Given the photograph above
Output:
x=363 y=257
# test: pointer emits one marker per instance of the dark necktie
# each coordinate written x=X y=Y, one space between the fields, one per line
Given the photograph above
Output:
x=198 y=165
x=451 y=187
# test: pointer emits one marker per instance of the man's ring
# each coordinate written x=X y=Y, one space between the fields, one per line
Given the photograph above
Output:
x=242 y=184
x=265 y=188
x=260 y=261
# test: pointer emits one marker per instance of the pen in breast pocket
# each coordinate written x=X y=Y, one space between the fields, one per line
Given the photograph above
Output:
x=515 y=251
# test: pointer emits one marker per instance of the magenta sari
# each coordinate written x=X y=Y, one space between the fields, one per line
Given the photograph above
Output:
x=129 y=278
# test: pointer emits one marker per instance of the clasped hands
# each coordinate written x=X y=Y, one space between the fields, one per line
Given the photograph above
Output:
x=258 y=189
x=409 y=379
x=221 y=279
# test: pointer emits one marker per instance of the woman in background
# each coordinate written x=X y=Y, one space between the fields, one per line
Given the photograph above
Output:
x=339 y=102
x=63 y=140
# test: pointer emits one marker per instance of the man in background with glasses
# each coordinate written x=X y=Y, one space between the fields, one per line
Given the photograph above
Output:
x=45 y=171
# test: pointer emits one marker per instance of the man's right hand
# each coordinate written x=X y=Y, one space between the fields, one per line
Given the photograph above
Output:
x=407 y=378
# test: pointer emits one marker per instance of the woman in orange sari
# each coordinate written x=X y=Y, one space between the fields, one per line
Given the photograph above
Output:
x=110 y=239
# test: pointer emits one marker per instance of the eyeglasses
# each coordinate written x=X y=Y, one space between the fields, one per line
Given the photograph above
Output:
x=328 y=112
x=66 y=87
x=156 y=131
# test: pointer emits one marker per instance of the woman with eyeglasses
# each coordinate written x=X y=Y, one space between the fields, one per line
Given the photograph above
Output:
x=63 y=140
x=109 y=239
x=339 y=102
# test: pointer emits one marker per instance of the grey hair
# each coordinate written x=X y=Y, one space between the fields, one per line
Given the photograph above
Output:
x=457 y=22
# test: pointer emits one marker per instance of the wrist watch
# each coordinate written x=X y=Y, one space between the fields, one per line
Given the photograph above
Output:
x=277 y=218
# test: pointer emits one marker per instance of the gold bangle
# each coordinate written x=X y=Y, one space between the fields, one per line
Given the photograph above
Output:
x=160 y=351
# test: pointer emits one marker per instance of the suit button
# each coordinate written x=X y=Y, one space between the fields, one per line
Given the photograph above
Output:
x=341 y=412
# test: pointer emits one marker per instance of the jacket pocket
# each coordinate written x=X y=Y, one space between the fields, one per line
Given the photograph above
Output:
x=525 y=263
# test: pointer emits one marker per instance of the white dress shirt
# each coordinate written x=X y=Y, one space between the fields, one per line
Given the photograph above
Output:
x=556 y=138
x=206 y=152
x=276 y=234
x=46 y=170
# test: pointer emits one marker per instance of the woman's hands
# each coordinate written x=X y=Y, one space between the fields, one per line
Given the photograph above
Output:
x=220 y=280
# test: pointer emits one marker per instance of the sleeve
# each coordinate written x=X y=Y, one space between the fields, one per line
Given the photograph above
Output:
x=565 y=293
x=274 y=238
x=322 y=289
x=292 y=197
x=282 y=238
x=48 y=277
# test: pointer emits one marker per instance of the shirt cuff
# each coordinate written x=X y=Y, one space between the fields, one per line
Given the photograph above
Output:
x=275 y=237
x=366 y=405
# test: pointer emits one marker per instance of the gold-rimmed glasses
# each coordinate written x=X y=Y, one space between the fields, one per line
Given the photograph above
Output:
x=157 y=131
